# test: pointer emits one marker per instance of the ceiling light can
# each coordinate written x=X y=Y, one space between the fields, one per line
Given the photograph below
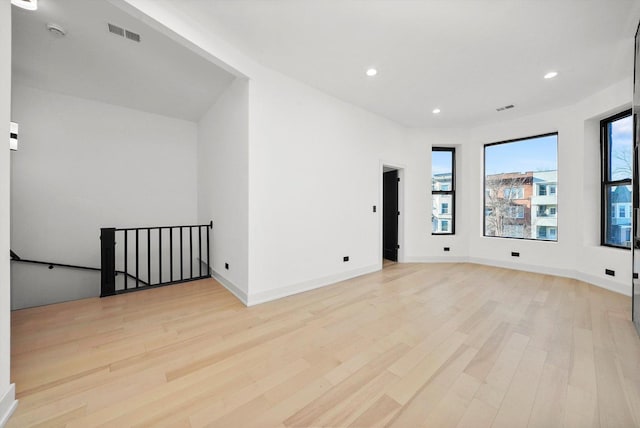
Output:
x=372 y=72
x=26 y=4
x=551 y=75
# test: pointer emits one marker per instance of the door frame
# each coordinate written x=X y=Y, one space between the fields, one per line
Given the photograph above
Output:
x=401 y=175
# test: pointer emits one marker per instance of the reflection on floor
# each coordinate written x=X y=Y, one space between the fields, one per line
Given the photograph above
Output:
x=386 y=263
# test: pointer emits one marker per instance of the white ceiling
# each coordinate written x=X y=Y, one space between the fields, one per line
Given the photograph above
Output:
x=157 y=75
x=466 y=57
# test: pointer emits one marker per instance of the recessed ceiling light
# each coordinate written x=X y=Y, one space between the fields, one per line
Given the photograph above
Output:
x=372 y=72
x=551 y=75
x=436 y=110
x=26 y=4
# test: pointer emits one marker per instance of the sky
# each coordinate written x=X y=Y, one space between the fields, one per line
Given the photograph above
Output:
x=533 y=154
x=440 y=162
x=622 y=148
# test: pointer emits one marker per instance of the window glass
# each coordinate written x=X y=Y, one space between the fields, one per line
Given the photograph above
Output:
x=442 y=190
x=617 y=199
x=520 y=188
x=617 y=152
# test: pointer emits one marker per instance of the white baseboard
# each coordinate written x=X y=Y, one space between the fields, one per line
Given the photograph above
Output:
x=269 y=295
x=234 y=289
x=437 y=259
x=566 y=273
x=8 y=404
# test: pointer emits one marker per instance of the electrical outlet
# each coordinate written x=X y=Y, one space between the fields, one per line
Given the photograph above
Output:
x=226 y=266
x=447 y=249
x=515 y=254
x=610 y=272
x=345 y=259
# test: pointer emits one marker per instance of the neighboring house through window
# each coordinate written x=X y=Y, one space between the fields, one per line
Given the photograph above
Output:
x=443 y=187
x=520 y=188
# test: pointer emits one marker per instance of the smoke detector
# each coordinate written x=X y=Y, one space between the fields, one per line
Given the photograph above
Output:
x=56 y=30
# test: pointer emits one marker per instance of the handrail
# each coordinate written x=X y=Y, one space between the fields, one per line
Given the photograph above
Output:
x=17 y=258
x=121 y=229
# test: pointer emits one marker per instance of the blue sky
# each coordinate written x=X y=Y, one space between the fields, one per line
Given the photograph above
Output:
x=622 y=129
x=535 y=154
x=622 y=148
x=440 y=162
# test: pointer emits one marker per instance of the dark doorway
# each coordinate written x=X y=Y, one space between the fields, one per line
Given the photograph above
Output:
x=390 y=215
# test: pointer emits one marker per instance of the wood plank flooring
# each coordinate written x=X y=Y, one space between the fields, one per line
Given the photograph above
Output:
x=433 y=345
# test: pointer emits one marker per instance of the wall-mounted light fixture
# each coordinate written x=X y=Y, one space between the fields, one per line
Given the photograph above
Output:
x=26 y=4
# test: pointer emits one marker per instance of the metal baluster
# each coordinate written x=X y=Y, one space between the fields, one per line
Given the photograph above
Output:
x=208 y=258
x=160 y=255
x=200 y=250
x=181 y=257
x=170 y=254
x=191 y=250
x=126 y=232
x=148 y=256
x=137 y=260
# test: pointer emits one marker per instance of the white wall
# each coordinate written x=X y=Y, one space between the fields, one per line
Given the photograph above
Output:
x=577 y=253
x=83 y=165
x=7 y=391
x=223 y=184
x=315 y=174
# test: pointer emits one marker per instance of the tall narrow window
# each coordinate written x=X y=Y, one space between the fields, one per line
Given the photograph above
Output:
x=520 y=183
x=443 y=190
x=616 y=143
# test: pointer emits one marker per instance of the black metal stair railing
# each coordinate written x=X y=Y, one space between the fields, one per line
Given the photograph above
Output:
x=178 y=266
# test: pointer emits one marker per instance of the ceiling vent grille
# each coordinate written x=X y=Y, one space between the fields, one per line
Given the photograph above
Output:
x=510 y=106
x=132 y=36
x=119 y=31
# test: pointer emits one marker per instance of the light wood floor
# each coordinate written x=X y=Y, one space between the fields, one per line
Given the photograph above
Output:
x=438 y=345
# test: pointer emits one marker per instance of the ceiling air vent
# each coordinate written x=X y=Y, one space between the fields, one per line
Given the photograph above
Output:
x=119 y=31
x=132 y=36
x=510 y=106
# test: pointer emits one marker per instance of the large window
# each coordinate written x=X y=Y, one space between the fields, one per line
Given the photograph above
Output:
x=520 y=186
x=443 y=190
x=616 y=141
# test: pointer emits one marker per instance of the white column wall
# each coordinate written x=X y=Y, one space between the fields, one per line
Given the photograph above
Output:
x=223 y=184
x=7 y=390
